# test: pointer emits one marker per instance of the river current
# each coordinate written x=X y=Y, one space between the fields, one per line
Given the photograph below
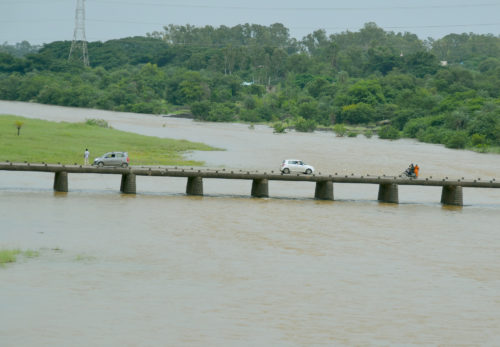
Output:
x=160 y=268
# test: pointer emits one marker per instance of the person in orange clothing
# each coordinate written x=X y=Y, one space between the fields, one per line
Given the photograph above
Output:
x=415 y=170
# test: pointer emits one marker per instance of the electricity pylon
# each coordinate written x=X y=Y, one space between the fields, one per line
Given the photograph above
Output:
x=79 y=40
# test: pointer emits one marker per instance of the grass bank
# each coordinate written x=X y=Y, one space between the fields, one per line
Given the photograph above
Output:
x=53 y=142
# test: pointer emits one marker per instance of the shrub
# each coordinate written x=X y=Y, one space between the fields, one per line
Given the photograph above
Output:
x=478 y=139
x=368 y=134
x=8 y=256
x=97 y=123
x=352 y=134
x=31 y=254
x=389 y=132
x=249 y=116
x=414 y=126
x=265 y=112
x=249 y=102
x=482 y=148
x=358 y=113
x=279 y=127
x=433 y=135
x=339 y=129
x=221 y=113
x=200 y=109
x=149 y=107
x=456 y=140
x=305 y=125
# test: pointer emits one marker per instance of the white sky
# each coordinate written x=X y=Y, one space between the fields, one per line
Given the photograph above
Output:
x=43 y=21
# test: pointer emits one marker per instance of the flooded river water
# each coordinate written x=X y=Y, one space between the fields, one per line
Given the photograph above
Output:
x=163 y=269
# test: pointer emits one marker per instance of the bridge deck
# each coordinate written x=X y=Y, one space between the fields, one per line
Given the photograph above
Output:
x=251 y=175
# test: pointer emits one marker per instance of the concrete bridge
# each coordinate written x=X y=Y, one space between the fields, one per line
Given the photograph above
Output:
x=388 y=185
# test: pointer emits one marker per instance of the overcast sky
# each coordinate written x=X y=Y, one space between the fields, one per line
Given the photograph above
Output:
x=44 y=21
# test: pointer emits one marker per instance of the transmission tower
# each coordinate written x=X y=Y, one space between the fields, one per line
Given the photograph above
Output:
x=79 y=40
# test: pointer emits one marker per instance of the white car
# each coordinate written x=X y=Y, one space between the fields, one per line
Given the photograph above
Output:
x=295 y=165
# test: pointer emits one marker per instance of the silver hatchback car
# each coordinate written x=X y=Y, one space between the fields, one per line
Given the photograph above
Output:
x=289 y=165
x=112 y=159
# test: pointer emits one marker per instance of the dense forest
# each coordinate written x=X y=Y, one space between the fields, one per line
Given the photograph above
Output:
x=440 y=91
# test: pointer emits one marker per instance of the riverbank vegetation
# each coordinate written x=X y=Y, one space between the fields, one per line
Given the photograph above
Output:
x=443 y=91
x=53 y=142
x=10 y=255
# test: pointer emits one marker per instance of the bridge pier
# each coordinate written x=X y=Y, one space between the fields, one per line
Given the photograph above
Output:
x=388 y=192
x=324 y=190
x=127 y=185
x=260 y=188
x=452 y=195
x=194 y=186
x=61 y=181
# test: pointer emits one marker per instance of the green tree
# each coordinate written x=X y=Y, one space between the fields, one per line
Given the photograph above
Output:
x=358 y=113
x=201 y=109
x=221 y=113
x=19 y=124
x=367 y=92
x=308 y=109
x=319 y=86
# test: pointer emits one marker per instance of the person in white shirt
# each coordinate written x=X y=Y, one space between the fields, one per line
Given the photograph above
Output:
x=86 y=157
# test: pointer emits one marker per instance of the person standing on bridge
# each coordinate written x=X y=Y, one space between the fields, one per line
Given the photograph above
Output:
x=86 y=156
x=415 y=170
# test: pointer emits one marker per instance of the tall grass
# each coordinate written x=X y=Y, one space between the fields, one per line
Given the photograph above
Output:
x=10 y=255
x=53 y=142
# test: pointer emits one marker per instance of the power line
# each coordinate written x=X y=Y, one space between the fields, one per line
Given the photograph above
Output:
x=304 y=27
x=271 y=8
x=408 y=26
x=387 y=28
x=45 y=20
x=220 y=7
x=21 y=2
x=51 y=20
x=318 y=27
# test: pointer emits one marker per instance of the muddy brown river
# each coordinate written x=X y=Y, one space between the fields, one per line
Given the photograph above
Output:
x=160 y=268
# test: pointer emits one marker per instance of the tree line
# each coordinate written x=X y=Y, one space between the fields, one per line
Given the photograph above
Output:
x=440 y=91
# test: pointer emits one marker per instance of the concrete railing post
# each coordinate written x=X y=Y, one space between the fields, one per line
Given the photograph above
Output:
x=324 y=190
x=388 y=192
x=194 y=186
x=61 y=182
x=260 y=188
x=127 y=185
x=452 y=195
